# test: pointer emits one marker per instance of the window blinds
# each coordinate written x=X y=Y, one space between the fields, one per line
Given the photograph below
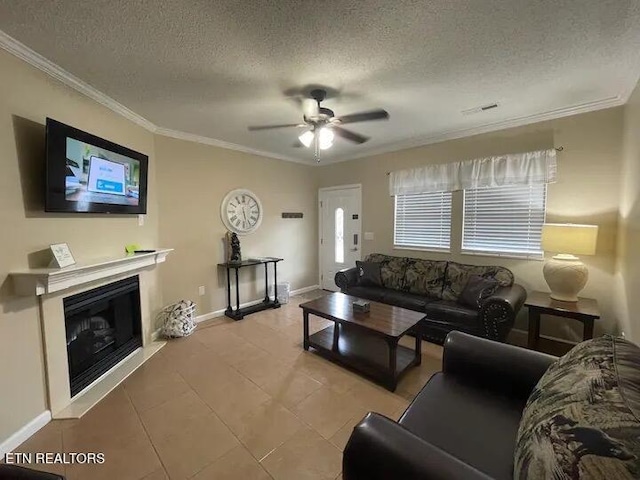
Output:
x=504 y=220
x=423 y=220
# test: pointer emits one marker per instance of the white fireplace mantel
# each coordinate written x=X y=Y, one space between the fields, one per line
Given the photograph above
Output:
x=44 y=281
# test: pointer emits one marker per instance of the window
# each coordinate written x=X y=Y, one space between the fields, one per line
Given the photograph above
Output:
x=339 y=240
x=423 y=220
x=504 y=220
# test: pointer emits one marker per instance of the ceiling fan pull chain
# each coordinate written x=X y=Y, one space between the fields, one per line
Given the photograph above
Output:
x=316 y=147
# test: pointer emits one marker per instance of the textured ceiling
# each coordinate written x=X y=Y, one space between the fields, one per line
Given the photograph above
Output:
x=212 y=68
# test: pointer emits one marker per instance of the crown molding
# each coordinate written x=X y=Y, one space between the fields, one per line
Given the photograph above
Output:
x=190 y=137
x=33 y=58
x=627 y=94
x=416 y=142
x=36 y=60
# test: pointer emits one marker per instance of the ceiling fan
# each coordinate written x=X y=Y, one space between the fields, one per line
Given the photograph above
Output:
x=321 y=125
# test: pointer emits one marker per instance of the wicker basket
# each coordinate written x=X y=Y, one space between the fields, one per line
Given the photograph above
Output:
x=178 y=319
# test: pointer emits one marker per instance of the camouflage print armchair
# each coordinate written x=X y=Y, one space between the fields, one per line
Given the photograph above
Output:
x=435 y=287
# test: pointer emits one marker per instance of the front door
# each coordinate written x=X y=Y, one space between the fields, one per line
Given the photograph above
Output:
x=340 y=231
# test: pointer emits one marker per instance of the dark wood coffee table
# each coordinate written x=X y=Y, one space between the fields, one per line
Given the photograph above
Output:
x=366 y=342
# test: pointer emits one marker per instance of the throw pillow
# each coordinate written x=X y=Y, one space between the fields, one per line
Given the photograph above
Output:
x=369 y=274
x=582 y=420
x=477 y=290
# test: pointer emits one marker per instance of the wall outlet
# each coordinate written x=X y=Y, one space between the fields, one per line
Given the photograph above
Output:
x=140 y=220
x=201 y=290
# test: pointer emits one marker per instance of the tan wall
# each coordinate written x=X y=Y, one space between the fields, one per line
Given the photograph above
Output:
x=192 y=181
x=587 y=191
x=628 y=265
x=27 y=97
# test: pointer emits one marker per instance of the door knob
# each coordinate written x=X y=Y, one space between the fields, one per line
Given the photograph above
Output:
x=354 y=249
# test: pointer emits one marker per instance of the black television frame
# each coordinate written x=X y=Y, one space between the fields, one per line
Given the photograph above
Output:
x=56 y=165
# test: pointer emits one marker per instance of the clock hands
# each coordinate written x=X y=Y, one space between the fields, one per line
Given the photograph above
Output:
x=241 y=211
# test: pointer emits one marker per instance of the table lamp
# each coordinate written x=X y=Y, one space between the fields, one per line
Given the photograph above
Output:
x=565 y=274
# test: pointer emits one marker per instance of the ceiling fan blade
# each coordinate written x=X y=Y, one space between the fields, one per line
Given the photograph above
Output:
x=364 y=116
x=310 y=108
x=269 y=127
x=349 y=135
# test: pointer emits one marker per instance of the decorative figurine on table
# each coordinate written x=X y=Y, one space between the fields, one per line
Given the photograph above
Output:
x=233 y=248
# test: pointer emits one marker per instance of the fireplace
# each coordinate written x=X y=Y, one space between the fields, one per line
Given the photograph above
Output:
x=102 y=326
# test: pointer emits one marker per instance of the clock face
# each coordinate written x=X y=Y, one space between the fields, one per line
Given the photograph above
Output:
x=241 y=211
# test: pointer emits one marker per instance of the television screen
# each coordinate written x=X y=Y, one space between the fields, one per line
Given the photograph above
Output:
x=86 y=173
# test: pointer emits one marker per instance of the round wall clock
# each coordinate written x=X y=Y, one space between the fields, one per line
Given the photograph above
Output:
x=241 y=211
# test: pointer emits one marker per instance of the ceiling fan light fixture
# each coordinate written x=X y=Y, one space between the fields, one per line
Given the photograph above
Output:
x=306 y=138
x=321 y=126
x=325 y=138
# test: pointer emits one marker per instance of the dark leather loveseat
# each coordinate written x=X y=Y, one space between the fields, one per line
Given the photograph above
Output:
x=434 y=287
x=462 y=425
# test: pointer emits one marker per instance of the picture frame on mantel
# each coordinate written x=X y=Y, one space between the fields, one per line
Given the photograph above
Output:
x=61 y=256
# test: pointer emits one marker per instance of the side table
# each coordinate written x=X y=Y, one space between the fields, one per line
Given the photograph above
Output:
x=585 y=310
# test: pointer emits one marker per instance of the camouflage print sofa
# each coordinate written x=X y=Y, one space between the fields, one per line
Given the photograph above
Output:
x=434 y=287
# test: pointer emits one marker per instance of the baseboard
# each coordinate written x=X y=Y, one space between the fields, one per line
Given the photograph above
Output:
x=546 y=343
x=302 y=290
x=24 y=433
x=524 y=334
x=220 y=313
x=156 y=335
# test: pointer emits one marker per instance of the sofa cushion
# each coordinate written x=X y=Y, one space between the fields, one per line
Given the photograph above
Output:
x=457 y=275
x=471 y=423
x=407 y=300
x=369 y=274
x=452 y=312
x=425 y=277
x=582 y=420
x=370 y=293
x=477 y=290
x=392 y=269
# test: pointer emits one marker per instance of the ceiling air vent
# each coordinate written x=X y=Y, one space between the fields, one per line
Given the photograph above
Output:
x=483 y=108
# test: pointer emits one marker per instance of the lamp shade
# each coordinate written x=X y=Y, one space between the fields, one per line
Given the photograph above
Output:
x=325 y=138
x=569 y=238
x=306 y=138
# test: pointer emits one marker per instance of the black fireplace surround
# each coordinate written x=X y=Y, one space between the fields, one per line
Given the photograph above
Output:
x=103 y=326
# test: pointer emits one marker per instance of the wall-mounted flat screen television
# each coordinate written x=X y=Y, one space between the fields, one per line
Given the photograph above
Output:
x=88 y=174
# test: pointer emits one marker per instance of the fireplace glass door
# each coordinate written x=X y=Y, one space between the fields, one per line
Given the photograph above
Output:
x=102 y=326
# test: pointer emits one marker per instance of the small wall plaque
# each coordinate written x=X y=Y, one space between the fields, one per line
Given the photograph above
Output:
x=61 y=256
x=291 y=214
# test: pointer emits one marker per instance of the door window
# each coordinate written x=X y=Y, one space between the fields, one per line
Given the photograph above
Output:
x=339 y=240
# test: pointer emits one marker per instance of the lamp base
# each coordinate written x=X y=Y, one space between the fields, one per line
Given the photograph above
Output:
x=566 y=276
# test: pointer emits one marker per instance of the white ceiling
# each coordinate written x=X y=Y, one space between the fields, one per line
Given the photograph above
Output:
x=212 y=68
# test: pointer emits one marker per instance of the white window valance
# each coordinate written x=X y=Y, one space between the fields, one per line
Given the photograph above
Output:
x=528 y=168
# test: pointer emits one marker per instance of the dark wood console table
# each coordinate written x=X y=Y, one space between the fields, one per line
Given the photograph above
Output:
x=239 y=313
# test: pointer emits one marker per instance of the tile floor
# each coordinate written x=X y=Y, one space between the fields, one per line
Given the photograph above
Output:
x=235 y=400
